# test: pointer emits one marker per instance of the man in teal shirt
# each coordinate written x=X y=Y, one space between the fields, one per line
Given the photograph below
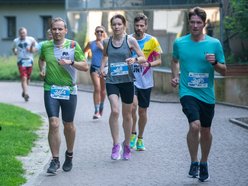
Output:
x=198 y=56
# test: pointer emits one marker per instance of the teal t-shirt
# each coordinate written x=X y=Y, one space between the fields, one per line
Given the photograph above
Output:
x=56 y=74
x=196 y=73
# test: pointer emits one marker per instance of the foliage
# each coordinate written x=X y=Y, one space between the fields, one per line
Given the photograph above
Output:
x=9 y=69
x=17 y=136
x=80 y=37
x=237 y=22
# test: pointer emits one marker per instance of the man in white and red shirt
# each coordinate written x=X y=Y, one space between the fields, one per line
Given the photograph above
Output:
x=23 y=48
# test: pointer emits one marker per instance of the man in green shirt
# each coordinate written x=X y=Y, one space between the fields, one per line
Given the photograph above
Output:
x=60 y=59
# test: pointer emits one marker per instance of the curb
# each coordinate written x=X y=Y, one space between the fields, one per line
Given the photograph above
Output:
x=239 y=123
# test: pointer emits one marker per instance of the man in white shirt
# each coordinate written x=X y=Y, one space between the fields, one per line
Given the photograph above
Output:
x=23 y=47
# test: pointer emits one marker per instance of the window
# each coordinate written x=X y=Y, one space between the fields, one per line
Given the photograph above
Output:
x=46 y=24
x=11 y=26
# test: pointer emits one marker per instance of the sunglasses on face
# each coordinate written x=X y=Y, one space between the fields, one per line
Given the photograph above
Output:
x=99 y=31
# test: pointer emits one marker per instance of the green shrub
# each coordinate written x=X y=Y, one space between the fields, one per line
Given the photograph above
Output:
x=9 y=69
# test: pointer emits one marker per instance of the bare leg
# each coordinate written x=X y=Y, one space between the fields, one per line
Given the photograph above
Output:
x=24 y=84
x=127 y=121
x=54 y=136
x=96 y=94
x=193 y=139
x=205 y=142
x=113 y=118
x=134 y=113
x=103 y=90
x=70 y=133
x=103 y=95
x=142 y=120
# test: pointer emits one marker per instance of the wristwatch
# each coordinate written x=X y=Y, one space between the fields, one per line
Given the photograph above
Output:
x=214 y=63
x=72 y=62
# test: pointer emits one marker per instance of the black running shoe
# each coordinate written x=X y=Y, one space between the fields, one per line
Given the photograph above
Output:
x=194 y=169
x=204 y=176
x=67 y=166
x=26 y=97
x=54 y=166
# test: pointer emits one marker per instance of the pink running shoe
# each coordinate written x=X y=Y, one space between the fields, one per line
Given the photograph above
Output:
x=116 y=152
x=126 y=152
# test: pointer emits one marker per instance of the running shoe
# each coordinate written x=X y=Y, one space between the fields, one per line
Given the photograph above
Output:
x=133 y=141
x=194 y=170
x=126 y=152
x=96 y=115
x=140 y=145
x=116 y=152
x=204 y=176
x=54 y=166
x=26 y=97
x=67 y=166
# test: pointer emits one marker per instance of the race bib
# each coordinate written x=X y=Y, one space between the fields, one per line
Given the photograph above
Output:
x=118 y=69
x=198 y=80
x=26 y=62
x=60 y=92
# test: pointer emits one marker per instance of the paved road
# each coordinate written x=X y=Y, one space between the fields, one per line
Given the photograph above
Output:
x=166 y=161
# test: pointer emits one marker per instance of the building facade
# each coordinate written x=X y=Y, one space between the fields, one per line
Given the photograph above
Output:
x=35 y=15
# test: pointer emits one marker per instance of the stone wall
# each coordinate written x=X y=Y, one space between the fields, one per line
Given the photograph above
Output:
x=232 y=89
x=229 y=89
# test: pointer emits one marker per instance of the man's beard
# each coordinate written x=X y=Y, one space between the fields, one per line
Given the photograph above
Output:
x=138 y=33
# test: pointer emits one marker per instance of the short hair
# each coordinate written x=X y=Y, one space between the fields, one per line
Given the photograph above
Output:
x=102 y=27
x=56 y=19
x=123 y=19
x=198 y=12
x=21 y=29
x=139 y=17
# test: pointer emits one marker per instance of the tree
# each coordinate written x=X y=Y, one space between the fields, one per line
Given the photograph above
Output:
x=237 y=22
x=236 y=25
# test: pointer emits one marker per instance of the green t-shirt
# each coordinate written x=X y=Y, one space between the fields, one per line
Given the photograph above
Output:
x=196 y=73
x=56 y=74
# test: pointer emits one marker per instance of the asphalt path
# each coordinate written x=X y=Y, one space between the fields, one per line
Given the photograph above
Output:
x=165 y=162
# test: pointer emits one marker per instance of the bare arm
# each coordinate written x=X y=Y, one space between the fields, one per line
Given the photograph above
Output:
x=154 y=63
x=79 y=65
x=99 y=45
x=87 y=49
x=220 y=68
x=104 y=58
x=135 y=46
x=42 y=67
x=33 y=48
x=175 y=72
x=14 y=51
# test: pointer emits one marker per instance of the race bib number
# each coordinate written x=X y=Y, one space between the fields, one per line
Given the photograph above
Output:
x=118 y=69
x=198 y=80
x=60 y=92
x=26 y=62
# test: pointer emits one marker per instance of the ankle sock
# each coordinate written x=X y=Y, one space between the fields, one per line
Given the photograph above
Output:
x=69 y=154
x=56 y=158
x=97 y=108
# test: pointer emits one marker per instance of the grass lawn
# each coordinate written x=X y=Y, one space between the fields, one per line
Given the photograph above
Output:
x=17 y=136
x=9 y=69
